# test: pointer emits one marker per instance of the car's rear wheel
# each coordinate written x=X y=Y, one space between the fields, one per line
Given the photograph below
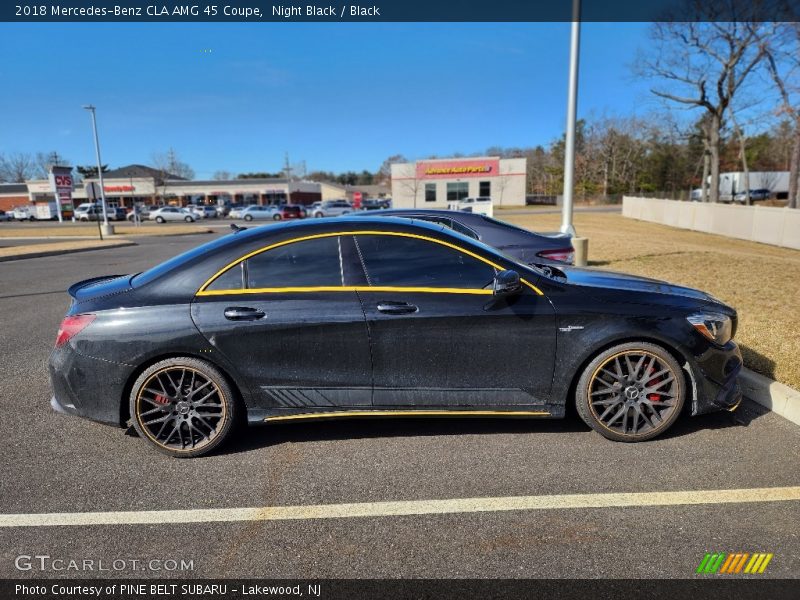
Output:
x=183 y=406
x=277 y=217
x=189 y=219
x=318 y=215
x=248 y=217
x=631 y=392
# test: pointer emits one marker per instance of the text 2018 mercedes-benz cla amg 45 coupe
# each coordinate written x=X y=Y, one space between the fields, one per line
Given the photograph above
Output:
x=381 y=317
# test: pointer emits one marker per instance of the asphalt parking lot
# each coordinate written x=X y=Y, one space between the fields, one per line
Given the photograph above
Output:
x=58 y=464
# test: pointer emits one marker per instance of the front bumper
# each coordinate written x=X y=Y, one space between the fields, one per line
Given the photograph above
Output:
x=87 y=387
x=715 y=372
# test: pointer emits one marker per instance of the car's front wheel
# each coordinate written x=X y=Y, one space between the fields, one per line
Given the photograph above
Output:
x=631 y=392
x=248 y=217
x=189 y=219
x=276 y=217
x=183 y=406
x=159 y=219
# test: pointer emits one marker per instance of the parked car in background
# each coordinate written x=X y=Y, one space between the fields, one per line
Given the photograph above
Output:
x=144 y=212
x=331 y=208
x=5 y=216
x=235 y=211
x=88 y=211
x=203 y=211
x=523 y=245
x=222 y=210
x=117 y=213
x=24 y=213
x=376 y=204
x=759 y=194
x=481 y=204
x=256 y=212
x=171 y=213
x=292 y=211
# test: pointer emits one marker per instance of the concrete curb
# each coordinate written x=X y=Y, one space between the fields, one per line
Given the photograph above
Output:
x=57 y=252
x=777 y=397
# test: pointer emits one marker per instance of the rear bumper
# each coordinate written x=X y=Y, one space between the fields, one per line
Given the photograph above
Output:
x=716 y=372
x=87 y=387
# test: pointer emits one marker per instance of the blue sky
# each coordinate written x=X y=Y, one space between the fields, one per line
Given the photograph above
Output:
x=339 y=96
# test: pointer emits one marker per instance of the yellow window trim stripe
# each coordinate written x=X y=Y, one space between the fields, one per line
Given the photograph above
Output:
x=339 y=288
x=204 y=292
x=412 y=413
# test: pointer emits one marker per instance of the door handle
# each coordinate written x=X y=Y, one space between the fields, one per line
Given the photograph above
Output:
x=396 y=308
x=243 y=313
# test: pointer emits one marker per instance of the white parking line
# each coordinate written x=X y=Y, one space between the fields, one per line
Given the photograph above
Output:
x=405 y=507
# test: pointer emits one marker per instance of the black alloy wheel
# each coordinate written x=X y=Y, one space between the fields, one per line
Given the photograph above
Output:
x=183 y=406
x=631 y=392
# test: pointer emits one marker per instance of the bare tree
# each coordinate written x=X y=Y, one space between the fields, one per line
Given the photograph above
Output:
x=223 y=175
x=783 y=65
x=169 y=163
x=17 y=167
x=705 y=65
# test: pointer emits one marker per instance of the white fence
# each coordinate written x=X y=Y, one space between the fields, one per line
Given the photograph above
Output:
x=765 y=224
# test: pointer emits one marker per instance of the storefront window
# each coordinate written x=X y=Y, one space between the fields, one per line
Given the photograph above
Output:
x=485 y=189
x=457 y=191
x=430 y=192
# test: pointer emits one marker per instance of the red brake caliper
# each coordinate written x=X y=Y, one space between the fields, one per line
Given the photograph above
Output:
x=653 y=397
x=161 y=399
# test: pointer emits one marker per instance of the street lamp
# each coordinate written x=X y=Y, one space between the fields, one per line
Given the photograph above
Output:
x=91 y=109
x=572 y=100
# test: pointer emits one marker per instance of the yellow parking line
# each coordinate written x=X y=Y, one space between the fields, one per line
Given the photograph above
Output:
x=407 y=507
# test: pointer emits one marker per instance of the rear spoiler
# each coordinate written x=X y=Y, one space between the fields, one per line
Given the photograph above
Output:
x=73 y=289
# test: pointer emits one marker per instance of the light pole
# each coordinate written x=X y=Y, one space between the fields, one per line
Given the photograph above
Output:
x=91 y=109
x=572 y=100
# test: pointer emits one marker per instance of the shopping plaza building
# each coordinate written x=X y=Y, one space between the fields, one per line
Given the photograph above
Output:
x=436 y=183
x=138 y=184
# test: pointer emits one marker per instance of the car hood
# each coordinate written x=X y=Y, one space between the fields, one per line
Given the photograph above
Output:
x=622 y=281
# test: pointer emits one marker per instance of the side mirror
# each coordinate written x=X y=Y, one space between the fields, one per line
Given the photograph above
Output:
x=506 y=283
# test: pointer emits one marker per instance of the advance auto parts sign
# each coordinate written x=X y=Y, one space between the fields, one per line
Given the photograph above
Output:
x=453 y=169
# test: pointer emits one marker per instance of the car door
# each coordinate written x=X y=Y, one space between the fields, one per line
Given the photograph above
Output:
x=290 y=327
x=438 y=334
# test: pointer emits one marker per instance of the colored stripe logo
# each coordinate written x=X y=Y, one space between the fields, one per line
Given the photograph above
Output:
x=735 y=562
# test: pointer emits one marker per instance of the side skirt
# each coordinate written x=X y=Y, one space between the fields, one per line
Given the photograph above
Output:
x=515 y=412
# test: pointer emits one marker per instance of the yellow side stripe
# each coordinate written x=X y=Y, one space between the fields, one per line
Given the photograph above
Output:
x=365 y=232
x=411 y=413
x=288 y=290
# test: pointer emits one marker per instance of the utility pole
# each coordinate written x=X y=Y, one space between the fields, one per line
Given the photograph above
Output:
x=572 y=101
x=108 y=229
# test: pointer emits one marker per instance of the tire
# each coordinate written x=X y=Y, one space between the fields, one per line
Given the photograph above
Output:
x=160 y=220
x=615 y=386
x=189 y=219
x=318 y=215
x=177 y=410
x=276 y=218
x=248 y=217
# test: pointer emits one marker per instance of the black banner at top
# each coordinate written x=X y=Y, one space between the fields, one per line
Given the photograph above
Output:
x=143 y=11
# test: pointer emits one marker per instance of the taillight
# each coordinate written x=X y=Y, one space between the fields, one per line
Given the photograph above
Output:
x=72 y=326
x=565 y=255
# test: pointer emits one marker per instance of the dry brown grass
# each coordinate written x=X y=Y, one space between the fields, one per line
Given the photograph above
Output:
x=762 y=282
x=59 y=247
x=90 y=230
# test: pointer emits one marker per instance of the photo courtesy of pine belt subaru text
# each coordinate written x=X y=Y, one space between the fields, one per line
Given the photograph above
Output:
x=382 y=316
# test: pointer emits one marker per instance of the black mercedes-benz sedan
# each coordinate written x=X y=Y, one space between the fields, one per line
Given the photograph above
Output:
x=522 y=244
x=360 y=316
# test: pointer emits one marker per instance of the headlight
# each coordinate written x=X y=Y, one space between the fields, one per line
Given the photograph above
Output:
x=714 y=326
